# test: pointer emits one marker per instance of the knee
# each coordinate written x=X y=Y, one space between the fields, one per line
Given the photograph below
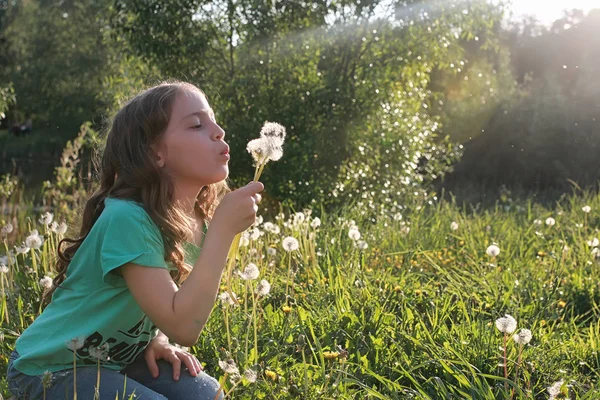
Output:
x=201 y=386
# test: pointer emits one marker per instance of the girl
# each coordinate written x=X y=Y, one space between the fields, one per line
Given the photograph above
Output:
x=119 y=296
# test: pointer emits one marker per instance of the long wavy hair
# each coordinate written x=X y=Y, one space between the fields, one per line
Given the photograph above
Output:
x=128 y=171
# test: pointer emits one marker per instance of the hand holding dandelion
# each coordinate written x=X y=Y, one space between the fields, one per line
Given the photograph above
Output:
x=268 y=147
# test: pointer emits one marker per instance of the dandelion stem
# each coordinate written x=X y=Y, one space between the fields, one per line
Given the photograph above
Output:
x=255 y=359
x=227 y=327
x=505 y=367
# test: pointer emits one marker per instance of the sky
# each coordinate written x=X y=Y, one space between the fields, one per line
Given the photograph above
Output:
x=547 y=11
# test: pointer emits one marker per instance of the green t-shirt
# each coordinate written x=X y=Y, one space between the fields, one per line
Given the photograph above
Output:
x=94 y=302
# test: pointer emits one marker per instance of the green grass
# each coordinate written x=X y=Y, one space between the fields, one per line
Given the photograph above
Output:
x=413 y=314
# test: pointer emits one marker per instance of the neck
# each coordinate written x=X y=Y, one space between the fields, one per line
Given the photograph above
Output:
x=186 y=196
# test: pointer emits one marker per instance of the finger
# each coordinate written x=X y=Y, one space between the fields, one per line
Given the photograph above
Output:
x=198 y=364
x=151 y=361
x=173 y=359
x=187 y=360
x=253 y=187
x=257 y=198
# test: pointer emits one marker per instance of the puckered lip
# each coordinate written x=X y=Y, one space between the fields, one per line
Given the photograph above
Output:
x=226 y=151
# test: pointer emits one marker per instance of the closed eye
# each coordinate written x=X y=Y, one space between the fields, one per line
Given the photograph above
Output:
x=197 y=126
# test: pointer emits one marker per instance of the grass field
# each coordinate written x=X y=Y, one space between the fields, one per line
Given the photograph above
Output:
x=407 y=310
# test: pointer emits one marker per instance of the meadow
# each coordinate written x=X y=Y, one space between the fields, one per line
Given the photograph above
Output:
x=430 y=300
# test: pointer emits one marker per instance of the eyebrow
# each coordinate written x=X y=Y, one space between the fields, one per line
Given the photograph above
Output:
x=204 y=111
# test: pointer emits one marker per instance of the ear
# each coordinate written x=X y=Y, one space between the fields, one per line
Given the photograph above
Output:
x=158 y=154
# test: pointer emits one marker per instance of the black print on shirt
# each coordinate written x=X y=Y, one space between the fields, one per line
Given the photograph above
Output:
x=119 y=352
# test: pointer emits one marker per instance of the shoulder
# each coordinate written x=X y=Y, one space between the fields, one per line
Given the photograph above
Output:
x=125 y=212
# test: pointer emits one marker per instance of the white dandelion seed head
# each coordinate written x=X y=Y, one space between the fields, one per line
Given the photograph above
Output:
x=263 y=288
x=62 y=228
x=23 y=249
x=250 y=375
x=586 y=209
x=227 y=300
x=264 y=149
x=537 y=222
x=254 y=234
x=46 y=218
x=594 y=242
x=397 y=217
x=229 y=366
x=298 y=218
x=274 y=130
x=492 y=250
x=3 y=269
x=506 y=324
x=550 y=221
x=6 y=229
x=46 y=282
x=268 y=226
x=554 y=389
x=34 y=240
x=354 y=234
x=362 y=245
x=75 y=343
x=53 y=226
x=523 y=337
x=250 y=273
x=258 y=221
x=271 y=251
x=234 y=378
x=454 y=225
x=315 y=223
x=100 y=352
x=290 y=244
x=244 y=241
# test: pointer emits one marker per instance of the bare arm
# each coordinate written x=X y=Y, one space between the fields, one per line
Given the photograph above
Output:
x=181 y=313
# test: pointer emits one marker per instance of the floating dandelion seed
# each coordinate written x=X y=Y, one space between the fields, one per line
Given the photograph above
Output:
x=586 y=209
x=263 y=288
x=523 y=337
x=46 y=218
x=506 y=324
x=34 y=240
x=250 y=273
x=493 y=250
x=290 y=244
x=229 y=366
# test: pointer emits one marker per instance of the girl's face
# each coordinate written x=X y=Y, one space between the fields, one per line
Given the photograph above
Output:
x=191 y=149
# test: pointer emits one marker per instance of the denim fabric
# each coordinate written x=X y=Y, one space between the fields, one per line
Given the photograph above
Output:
x=136 y=379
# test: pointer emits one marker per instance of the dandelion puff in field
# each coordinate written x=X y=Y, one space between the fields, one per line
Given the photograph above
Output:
x=315 y=223
x=6 y=229
x=354 y=234
x=586 y=209
x=226 y=298
x=263 y=288
x=554 y=389
x=3 y=269
x=23 y=249
x=299 y=218
x=100 y=352
x=34 y=240
x=46 y=218
x=244 y=241
x=271 y=251
x=250 y=375
x=62 y=228
x=397 y=217
x=362 y=245
x=506 y=324
x=550 y=221
x=46 y=282
x=454 y=226
x=290 y=244
x=523 y=337
x=76 y=343
x=250 y=273
x=492 y=250
x=229 y=366
x=537 y=222
x=593 y=243
x=53 y=226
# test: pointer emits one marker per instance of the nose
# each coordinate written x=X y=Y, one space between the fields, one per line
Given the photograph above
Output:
x=219 y=132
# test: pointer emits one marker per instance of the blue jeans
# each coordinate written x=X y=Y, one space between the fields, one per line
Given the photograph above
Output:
x=138 y=381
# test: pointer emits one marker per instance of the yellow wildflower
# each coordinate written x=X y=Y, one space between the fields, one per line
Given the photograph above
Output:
x=331 y=355
x=286 y=309
x=271 y=375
